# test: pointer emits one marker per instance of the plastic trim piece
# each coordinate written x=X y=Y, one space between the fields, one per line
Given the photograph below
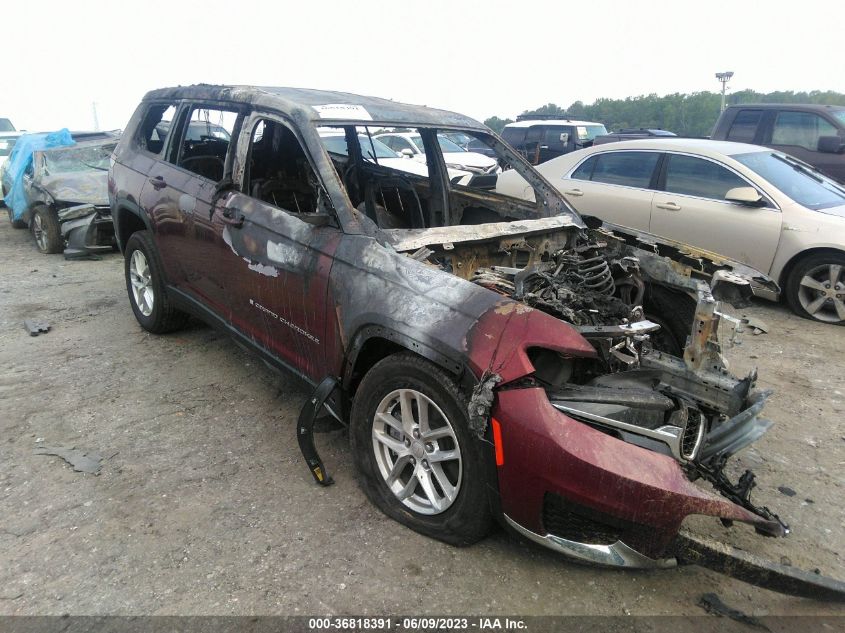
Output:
x=616 y=555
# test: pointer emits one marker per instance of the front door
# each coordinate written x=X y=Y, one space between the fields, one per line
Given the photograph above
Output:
x=798 y=133
x=691 y=208
x=188 y=183
x=280 y=237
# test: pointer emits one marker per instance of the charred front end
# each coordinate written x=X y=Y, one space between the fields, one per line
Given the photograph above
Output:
x=611 y=391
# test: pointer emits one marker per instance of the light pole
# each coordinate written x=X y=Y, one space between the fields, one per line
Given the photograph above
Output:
x=96 y=118
x=724 y=78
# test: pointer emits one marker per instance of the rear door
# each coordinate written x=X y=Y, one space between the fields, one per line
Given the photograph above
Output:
x=552 y=145
x=614 y=186
x=161 y=185
x=187 y=183
x=531 y=144
x=746 y=126
x=691 y=208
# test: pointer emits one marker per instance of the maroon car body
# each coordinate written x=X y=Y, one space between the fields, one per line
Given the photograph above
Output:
x=473 y=284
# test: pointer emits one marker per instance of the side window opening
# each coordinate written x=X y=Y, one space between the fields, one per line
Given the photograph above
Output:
x=744 y=126
x=692 y=176
x=513 y=136
x=531 y=145
x=155 y=126
x=205 y=141
x=585 y=169
x=279 y=172
x=628 y=169
x=801 y=129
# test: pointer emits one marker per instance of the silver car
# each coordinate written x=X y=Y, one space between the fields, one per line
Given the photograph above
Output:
x=753 y=204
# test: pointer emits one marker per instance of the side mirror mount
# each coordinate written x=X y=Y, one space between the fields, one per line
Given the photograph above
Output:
x=224 y=185
x=831 y=144
x=748 y=196
x=407 y=153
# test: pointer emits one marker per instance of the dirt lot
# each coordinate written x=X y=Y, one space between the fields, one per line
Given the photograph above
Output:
x=204 y=505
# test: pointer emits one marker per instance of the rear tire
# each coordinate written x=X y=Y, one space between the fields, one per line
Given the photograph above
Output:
x=815 y=289
x=46 y=231
x=16 y=224
x=430 y=459
x=145 y=286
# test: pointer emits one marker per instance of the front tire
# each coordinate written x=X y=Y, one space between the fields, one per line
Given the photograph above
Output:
x=815 y=288
x=46 y=231
x=412 y=446
x=145 y=285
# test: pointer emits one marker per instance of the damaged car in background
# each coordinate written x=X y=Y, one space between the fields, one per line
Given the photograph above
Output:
x=495 y=358
x=56 y=185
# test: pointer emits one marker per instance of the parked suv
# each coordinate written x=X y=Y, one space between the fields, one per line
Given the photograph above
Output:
x=492 y=356
x=542 y=137
x=813 y=133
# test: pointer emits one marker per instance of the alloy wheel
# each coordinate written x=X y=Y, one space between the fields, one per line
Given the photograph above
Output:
x=821 y=293
x=39 y=232
x=142 y=283
x=417 y=451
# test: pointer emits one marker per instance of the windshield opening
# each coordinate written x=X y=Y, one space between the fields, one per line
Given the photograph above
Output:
x=78 y=159
x=589 y=132
x=806 y=187
x=839 y=115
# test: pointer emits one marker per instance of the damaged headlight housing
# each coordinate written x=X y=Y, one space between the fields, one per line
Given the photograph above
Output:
x=75 y=212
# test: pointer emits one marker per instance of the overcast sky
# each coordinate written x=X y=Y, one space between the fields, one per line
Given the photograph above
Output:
x=477 y=58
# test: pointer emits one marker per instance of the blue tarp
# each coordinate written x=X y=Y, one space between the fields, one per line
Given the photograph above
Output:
x=21 y=159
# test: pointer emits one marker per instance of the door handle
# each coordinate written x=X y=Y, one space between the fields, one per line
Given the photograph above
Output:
x=158 y=182
x=669 y=206
x=574 y=192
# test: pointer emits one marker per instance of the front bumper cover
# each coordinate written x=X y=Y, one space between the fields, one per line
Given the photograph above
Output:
x=86 y=229
x=548 y=453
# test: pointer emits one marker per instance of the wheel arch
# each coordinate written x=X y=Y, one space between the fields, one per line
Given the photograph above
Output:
x=801 y=256
x=127 y=219
x=374 y=342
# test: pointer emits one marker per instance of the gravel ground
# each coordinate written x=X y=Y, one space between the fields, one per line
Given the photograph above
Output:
x=204 y=504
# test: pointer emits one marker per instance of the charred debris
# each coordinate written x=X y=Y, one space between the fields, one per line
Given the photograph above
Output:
x=659 y=379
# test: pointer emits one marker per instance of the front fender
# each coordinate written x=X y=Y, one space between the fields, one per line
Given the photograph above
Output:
x=499 y=341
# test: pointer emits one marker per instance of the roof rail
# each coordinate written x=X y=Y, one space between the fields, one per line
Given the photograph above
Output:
x=540 y=117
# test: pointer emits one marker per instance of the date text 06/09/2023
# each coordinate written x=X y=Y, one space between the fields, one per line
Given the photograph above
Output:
x=415 y=623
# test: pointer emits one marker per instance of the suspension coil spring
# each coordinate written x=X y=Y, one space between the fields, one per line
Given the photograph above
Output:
x=595 y=274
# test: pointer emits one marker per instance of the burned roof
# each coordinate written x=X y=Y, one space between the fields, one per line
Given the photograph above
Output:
x=320 y=105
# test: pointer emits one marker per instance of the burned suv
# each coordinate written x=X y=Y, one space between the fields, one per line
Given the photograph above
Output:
x=493 y=357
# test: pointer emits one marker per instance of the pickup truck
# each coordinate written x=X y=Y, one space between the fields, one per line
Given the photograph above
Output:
x=813 y=133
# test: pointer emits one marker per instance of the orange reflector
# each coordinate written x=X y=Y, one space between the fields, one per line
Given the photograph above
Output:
x=497 y=442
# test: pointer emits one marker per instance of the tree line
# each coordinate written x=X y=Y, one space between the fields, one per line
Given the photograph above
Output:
x=685 y=114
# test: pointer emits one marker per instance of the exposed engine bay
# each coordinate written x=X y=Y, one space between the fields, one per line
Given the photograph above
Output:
x=660 y=380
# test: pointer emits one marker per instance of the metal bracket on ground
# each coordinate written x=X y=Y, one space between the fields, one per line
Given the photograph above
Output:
x=305 y=429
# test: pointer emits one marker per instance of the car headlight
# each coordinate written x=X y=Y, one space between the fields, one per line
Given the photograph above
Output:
x=457 y=166
x=78 y=211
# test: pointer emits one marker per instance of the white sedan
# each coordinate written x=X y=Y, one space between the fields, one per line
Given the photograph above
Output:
x=410 y=144
x=753 y=204
x=377 y=152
